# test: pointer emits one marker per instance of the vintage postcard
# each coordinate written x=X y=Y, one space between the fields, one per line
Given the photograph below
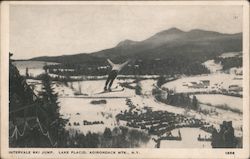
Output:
x=125 y=79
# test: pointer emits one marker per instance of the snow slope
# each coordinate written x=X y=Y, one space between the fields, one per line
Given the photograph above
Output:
x=230 y=54
x=217 y=99
x=212 y=66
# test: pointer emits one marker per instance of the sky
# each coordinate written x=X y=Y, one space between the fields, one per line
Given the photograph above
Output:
x=52 y=30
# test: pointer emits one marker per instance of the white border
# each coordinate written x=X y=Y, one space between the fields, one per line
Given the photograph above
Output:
x=143 y=153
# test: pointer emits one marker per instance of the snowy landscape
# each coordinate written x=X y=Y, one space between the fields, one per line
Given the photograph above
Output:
x=126 y=76
x=125 y=79
x=77 y=101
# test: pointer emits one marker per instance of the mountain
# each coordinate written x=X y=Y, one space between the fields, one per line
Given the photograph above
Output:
x=168 y=42
x=175 y=41
x=173 y=46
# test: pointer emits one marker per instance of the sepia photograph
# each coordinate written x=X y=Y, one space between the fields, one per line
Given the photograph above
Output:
x=129 y=76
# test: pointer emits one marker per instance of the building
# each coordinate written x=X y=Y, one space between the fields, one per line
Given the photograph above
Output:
x=206 y=82
x=236 y=71
x=235 y=88
x=198 y=85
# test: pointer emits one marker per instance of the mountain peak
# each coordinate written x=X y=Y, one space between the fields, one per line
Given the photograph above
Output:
x=126 y=43
x=171 y=31
x=174 y=30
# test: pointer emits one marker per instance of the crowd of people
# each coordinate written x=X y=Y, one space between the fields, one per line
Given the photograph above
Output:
x=156 y=122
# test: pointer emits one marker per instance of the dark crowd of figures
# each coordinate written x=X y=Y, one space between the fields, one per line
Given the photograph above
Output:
x=156 y=122
x=160 y=122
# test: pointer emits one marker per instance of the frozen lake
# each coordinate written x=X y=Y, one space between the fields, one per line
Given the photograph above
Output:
x=35 y=68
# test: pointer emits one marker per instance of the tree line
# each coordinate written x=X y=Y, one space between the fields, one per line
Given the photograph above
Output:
x=176 y=99
x=229 y=62
x=169 y=66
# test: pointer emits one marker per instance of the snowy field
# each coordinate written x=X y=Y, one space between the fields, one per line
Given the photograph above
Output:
x=221 y=115
x=212 y=66
x=188 y=141
x=230 y=54
x=215 y=67
x=90 y=87
x=217 y=81
x=93 y=87
x=217 y=99
x=78 y=108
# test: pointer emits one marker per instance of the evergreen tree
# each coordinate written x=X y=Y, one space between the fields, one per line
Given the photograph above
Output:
x=52 y=120
x=27 y=72
x=107 y=133
x=161 y=80
x=138 y=89
x=195 y=103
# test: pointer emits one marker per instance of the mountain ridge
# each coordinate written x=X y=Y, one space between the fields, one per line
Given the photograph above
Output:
x=164 y=44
